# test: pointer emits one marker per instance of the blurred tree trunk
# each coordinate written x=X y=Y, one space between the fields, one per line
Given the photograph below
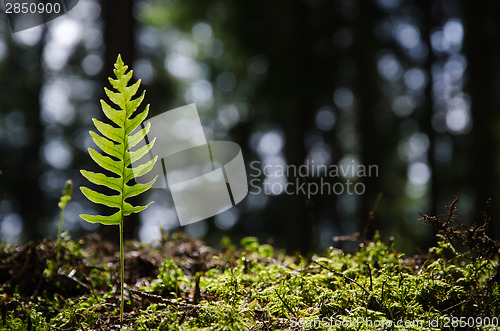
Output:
x=296 y=89
x=371 y=141
x=329 y=61
x=308 y=81
x=21 y=80
x=482 y=50
x=118 y=32
x=427 y=14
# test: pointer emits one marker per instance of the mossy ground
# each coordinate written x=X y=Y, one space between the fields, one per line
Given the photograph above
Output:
x=185 y=285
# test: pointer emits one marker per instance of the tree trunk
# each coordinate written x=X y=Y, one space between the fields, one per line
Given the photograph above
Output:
x=481 y=24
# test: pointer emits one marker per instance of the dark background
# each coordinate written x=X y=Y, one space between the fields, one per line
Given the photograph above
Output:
x=410 y=86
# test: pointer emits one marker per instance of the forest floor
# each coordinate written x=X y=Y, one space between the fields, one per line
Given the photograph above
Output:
x=182 y=284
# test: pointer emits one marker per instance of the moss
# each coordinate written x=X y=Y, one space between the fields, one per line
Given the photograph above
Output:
x=191 y=287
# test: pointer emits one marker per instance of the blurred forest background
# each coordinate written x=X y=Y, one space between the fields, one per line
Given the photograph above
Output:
x=410 y=86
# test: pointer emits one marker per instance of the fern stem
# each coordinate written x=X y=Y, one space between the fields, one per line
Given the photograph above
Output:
x=122 y=272
x=61 y=213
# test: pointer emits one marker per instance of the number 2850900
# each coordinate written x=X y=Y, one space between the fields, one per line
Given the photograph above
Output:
x=32 y=8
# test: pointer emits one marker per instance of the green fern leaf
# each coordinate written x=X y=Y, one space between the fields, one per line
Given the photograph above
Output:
x=106 y=145
x=113 y=201
x=115 y=134
x=116 y=142
x=138 y=136
x=101 y=179
x=106 y=220
x=132 y=191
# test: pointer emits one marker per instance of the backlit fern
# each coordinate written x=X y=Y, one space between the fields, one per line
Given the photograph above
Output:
x=117 y=141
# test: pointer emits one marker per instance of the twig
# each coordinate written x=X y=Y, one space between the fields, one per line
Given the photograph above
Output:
x=452 y=209
x=350 y=280
x=371 y=217
x=455 y=306
x=160 y=299
x=283 y=301
x=75 y=280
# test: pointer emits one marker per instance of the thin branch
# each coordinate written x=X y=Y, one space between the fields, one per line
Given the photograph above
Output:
x=455 y=306
x=452 y=209
x=283 y=301
x=159 y=299
x=370 y=273
x=371 y=217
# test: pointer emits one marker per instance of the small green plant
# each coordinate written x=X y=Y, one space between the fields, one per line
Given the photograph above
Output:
x=117 y=141
x=65 y=198
x=169 y=280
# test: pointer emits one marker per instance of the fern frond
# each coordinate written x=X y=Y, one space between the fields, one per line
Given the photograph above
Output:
x=115 y=142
